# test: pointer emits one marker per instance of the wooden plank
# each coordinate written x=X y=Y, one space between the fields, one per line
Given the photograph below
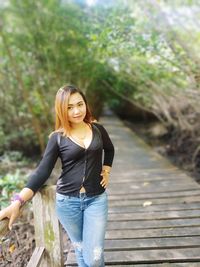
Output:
x=152 y=171
x=148 y=233
x=135 y=189
x=155 y=195
x=131 y=166
x=143 y=164
x=154 y=224
x=154 y=215
x=119 y=181
x=36 y=257
x=130 y=178
x=163 y=182
x=147 y=173
x=150 y=178
x=152 y=243
x=153 y=207
x=185 y=201
x=158 y=171
x=135 y=178
x=147 y=256
x=48 y=232
x=150 y=185
x=153 y=256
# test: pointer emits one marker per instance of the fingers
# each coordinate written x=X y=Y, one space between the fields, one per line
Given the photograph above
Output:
x=9 y=213
x=104 y=182
x=3 y=214
x=11 y=221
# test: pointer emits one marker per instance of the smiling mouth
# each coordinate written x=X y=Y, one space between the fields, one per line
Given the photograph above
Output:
x=77 y=117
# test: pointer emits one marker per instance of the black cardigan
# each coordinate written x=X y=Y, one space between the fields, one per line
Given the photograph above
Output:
x=80 y=166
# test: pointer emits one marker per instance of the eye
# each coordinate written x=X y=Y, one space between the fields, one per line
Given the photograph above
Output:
x=80 y=104
x=69 y=108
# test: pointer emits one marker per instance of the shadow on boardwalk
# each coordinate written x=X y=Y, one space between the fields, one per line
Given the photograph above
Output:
x=154 y=211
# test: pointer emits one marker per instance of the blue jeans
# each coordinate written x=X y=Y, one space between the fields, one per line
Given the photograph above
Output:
x=84 y=219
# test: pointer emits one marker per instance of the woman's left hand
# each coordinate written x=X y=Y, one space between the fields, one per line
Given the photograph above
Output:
x=105 y=179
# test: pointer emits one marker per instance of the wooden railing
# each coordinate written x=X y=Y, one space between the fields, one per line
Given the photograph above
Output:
x=48 y=232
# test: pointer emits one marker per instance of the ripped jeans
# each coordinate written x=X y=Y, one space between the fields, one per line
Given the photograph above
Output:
x=84 y=219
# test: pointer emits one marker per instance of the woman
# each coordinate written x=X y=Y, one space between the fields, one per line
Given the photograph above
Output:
x=81 y=199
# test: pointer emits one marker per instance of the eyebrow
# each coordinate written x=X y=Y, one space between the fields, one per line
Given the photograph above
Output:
x=76 y=103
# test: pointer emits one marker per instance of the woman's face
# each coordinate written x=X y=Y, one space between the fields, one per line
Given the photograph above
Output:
x=76 y=108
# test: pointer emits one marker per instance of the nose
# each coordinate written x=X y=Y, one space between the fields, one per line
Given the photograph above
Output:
x=76 y=110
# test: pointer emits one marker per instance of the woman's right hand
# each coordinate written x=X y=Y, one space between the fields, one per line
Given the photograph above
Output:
x=11 y=212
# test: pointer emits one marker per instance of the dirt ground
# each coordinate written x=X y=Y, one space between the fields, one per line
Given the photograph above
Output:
x=18 y=246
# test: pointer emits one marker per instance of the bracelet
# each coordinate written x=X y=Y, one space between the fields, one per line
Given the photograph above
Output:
x=17 y=197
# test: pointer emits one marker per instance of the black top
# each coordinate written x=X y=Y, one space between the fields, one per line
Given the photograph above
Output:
x=80 y=166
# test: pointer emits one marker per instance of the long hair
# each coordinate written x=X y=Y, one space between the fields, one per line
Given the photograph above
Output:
x=61 y=106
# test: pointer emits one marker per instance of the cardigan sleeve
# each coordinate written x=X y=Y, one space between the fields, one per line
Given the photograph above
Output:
x=107 y=146
x=39 y=176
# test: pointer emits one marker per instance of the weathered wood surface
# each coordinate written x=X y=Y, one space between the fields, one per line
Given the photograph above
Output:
x=36 y=257
x=154 y=208
x=48 y=232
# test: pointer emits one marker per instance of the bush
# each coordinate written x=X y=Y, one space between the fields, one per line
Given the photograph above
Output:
x=10 y=183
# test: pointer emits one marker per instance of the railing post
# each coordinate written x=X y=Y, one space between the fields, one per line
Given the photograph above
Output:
x=48 y=232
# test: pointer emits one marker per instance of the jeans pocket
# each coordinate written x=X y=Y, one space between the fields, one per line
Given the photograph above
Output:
x=60 y=198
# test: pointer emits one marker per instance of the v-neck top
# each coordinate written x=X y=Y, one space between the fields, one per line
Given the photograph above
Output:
x=80 y=166
x=74 y=141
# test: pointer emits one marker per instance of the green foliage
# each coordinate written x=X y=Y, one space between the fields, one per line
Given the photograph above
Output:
x=45 y=44
x=143 y=51
x=10 y=183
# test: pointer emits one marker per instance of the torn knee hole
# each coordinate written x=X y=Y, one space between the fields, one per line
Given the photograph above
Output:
x=97 y=253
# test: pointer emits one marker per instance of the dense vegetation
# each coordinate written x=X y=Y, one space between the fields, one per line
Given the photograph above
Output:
x=138 y=54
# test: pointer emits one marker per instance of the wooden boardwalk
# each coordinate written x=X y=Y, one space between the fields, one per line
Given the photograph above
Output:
x=154 y=208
